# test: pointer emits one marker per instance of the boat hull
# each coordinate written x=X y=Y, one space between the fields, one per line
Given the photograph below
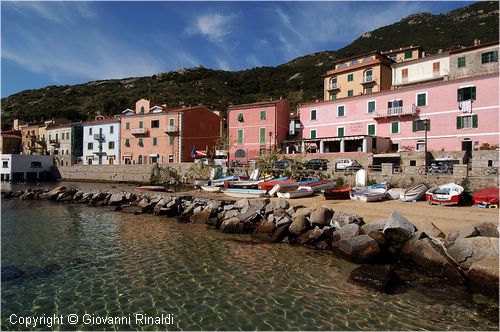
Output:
x=319 y=185
x=414 y=193
x=339 y=193
x=151 y=188
x=212 y=189
x=244 y=193
x=300 y=193
x=448 y=194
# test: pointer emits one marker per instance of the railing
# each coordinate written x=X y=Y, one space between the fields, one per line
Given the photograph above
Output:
x=368 y=79
x=99 y=137
x=397 y=111
x=353 y=168
x=170 y=129
x=139 y=131
x=375 y=168
x=333 y=86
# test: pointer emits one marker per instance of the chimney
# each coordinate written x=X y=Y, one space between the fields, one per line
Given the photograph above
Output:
x=477 y=42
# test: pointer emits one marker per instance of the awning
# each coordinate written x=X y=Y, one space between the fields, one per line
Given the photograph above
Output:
x=153 y=155
x=387 y=155
x=127 y=156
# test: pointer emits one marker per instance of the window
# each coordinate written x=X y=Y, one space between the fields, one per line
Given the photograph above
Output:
x=90 y=146
x=239 y=153
x=111 y=145
x=420 y=145
x=371 y=129
x=413 y=163
x=354 y=62
x=468 y=121
x=111 y=129
x=262 y=115
x=141 y=124
x=340 y=111
x=369 y=89
x=240 y=117
x=368 y=75
x=5 y=164
x=419 y=125
x=139 y=159
x=262 y=136
x=367 y=59
x=170 y=158
x=333 y=95
x=155 y=123
x=142 y=109
x=171 y=140
x=371 y=106
x=489 y=57
x=404 y=73
x=90 y=131
x=313 y=115
x=350 y=93
x=240 y=136
x=171 y=122
x=461 y=62
x=140 y=142
x=127 y=142
x=408 y=54
x=435 y=66
x=155 y=141
x=391 y=104
x=422 y=99
x=127 y=125
x=468 y=93
x=340 y=131
x=36 y=164
x=395 y=127
x=313 y=133
x=350 y=77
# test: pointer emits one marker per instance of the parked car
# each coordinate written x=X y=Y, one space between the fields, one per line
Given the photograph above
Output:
x=284 y=163
x=317 y=164
x=347 y=164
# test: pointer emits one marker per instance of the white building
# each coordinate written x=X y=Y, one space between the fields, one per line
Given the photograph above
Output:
x=101 y=142
x=23 y=167
x=426 y=69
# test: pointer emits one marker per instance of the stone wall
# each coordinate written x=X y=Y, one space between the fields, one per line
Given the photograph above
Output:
x=107 y=173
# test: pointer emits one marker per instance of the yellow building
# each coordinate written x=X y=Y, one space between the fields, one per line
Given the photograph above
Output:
x=405 y=53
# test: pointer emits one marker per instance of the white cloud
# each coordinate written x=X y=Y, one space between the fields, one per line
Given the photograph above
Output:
x=215 y=27
x=58 y=12
x=223 y=64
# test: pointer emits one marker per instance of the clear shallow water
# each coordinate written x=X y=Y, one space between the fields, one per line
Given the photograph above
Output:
x=105 y=263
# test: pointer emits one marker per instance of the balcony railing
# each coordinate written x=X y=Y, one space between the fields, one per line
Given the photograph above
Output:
x=397 y=111
x=368 y=79
x=333 y=86
x=99 y=137
x=54 y=143
x=140 y=131
x=170 y=129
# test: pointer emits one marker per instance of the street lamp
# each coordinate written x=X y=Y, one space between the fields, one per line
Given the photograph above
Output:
x=426 y=123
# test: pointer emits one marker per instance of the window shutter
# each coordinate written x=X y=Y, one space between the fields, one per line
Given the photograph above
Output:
x=495 y=56
x=429 y=125
x=389 y=104
x=473 y=93
x=415 y=125
x=262 y=135
x=474 y=121
x=459 y=122
x=460 y=95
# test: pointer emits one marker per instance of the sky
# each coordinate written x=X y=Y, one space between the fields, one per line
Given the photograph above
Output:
x=59 y=43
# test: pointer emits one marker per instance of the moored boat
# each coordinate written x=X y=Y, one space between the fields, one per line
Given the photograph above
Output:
x=486 y=197
x=367 y=195
x=394 y=193
x=289 y=186
x=244 y=193
x=151 y=188
x=268 y=185
x=318 y=185
x=446 y=194
x=413 y=193
x=337 y=193
x=213 y=189
x=299 y=193
x=250 y=184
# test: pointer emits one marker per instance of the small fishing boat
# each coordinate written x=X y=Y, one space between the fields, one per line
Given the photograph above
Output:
x=447 y=194
x=337 y=193
x=244 y=193
x=486 y=197
x=288 y=186
x=151 y=188
x=299 y=193
x=250 y=184
x=217 y=182
x=394 y=193
x=318 y=185
x=367 y=195
x=212 y=189
x=268 y=185
x=413 y=193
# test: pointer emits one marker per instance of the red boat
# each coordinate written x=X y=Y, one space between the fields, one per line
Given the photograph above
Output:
x=486 y=195
x=270 y=184
x=337 y=193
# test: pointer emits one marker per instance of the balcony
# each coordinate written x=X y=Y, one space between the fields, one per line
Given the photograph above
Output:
x=140 y=131
x=99 y=137
x=368 y=79
x=333 y=86
x=54 y=143
x=170 y=129
x=397 y=111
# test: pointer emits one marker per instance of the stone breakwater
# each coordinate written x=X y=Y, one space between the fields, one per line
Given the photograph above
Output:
x=392 y=253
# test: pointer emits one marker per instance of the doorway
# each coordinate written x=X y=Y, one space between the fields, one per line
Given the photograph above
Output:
x=467 y=147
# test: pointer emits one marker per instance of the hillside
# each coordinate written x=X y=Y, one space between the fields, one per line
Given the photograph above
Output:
x=298 y=80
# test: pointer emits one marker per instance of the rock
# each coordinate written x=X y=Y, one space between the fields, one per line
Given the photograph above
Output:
x=324 y=241
x=377 y=236
x=231 y=214
x=299 y=224
x=232 y=225
x=242 y=203
x=335 y=235
x=341 y=218
x=27 y=195
x=161 y=203
x=348 y=231
x=321 y=216
x=373 y=226
x=143 y=203
x=280 y=233
x=131 y=209
x=264 y=231
x=98 y=197
x=198 y=209
x=466 y=251
x=291 y=211
x=308 y=236
x=270 y=218
x=468 y=231
x=279 y=213
x=286 y=220
x=78 y=196
x=488 y=229
x=257 y=204
x=249 y=212
x=200 y=217
x=303 y=211
x=484 y=275
x=432 y=258
x=52 y=195
x=358 y=249
x=398 y=229
x=451 y=238
x=380 y=277
x=65 y=197
x=280 y=203
x=116 y=199
x=436 y=232
x=229 y=207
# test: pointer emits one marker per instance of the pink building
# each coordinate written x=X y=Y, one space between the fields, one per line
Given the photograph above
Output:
x=461 y=114
x=159 y=134
x=254 y=128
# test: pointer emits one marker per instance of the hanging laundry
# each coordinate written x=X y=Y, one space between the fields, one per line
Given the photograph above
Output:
x=465 y=106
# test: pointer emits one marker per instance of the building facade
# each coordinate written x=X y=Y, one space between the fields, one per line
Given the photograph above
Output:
x=478 y=59
x=254 y=128
x=19 y=167
x=65 y=143
x=30 y=138
x=426 y=69
x=159 y=134
x=101 y=142
x=10 y=142
x=404 y=54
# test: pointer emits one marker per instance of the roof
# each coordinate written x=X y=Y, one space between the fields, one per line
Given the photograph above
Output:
x=257 y=104
x=11 y=136
x=425 y=58
x=401 y=49
x=465 y=49
x=380 y=59
x=105 y=120
x=7 y=133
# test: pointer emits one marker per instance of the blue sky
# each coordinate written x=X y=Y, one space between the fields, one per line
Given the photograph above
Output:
x=57 y=43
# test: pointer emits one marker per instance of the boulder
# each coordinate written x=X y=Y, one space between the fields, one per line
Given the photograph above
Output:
x=257 y=204
x=341 y=218
x=299 y=224
x=488 y=229
x=161 y=203
x=431 y=256
x=232 y=225
x=377 y=236
x=242 y=203
x=280 y=233
x=321 y=216
x=279 y=203
x=200 y=217
x=229 y=207
x=467 y=231
x=303 y=211
x=130 y=209
x=270 y=218
x=358 y=249
x=231 y=214
x=324 y=241
x=398 y=229
x=98 y=197
x=52 y=195
x=483 y=275
x=309 y=236
x=380 y=277
x=249 y=213
x=348 y=231
x=373 y=226
x=27 y=195
x=286 y=220
x=466 y=251
x=278 y=213
x=264 y=230
x=116 y=199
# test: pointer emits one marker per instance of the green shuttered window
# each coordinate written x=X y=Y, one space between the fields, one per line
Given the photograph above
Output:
x=395 y=127
x=313 y=133
x=263 y=115
x=468 y=121
x=240 y=136
x=371 y=106
x=371 y=129
x=340 y=131
x=422 y=99
x=240 y=117
x=350 y=77
x=262 y=136
x=340 y=111
x=461 y=62
x=468 y=93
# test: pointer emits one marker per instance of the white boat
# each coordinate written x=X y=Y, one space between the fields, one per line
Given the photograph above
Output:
x=367 y=195
x=212 y=189
x=413 y=193
x=244 y=193
x=246 y=184
x=299 y=193
x=199 y=183
x=289 y=186
x=447 y=194
x=318 y=185
x=394 y=193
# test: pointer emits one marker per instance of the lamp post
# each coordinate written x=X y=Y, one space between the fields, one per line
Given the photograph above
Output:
x=270 y=141
x=426 y=123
